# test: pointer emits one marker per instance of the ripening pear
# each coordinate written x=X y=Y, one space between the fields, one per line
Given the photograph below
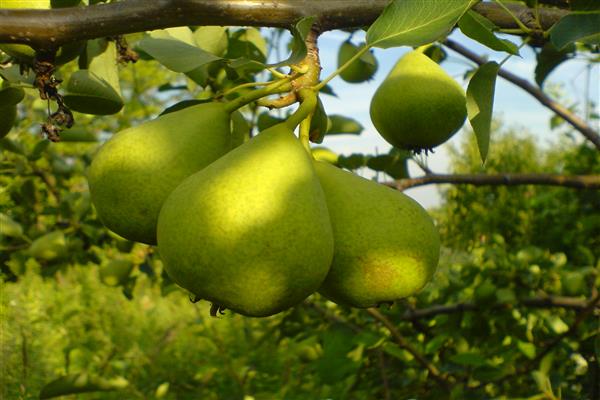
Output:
x=251 y=231
x=359 y=70
x=26 y=54
x=386 y=245
x=133 y=173
x=418 y=105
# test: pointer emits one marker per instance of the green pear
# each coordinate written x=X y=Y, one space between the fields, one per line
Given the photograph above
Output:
x=25 y=54
x=251 y=231
x=134 y=172
x=386 y=245
x=418 y=105
x=359 y=70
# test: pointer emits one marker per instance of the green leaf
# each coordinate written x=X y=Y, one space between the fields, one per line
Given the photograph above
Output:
x=479 y=28
x=576 y=27
x=80 y=383
x=480 y=104
x=11 y=95
x=416 y=22
x=9 y=227
x=78 y=134
x=550 y=58
x=344 y=125
x=176 y=55
x=213 y=39
x=528 y=349
x=469 y=359
x=353 y=161
x=38 y=150
x=90 y=94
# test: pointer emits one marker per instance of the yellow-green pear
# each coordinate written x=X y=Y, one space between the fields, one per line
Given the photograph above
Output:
x=418 y=105
x=134 y=172
x=386 y=245
x=251 y=231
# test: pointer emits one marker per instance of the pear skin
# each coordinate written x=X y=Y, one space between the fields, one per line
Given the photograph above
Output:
x=418 y=105
x=133 y=173
x=386 y=245
x=251 y=231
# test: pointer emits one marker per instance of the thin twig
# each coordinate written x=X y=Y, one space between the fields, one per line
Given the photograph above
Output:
x=574 y=181
x=579 y=124
x=440 y=378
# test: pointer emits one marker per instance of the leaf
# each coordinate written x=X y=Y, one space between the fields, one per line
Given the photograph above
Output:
x=528 y=349
x=11 y=95
x=576 y=27
x=344 y=125
x=9 y=227
x=353 y=161
x=78 y=134
x=80 y=383
x=416 y=22
x=469 y=359
x=38 y=150
x=213 y=39
x=90 y=94
x=479 y=28
x=480 y=104
x=176 y=55
x=550 y=58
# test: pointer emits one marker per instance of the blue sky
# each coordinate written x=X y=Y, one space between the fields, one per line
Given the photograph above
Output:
x=512 y=104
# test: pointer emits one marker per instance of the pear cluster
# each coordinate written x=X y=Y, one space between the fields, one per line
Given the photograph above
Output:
x=258 y=227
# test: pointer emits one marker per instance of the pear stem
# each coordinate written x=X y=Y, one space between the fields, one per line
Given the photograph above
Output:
x=335 y=73
x=305 y=132
x=246 y=85
x=307 y=107
x=280 y=86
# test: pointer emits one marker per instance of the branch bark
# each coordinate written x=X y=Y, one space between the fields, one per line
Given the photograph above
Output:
x=576 y=181
x=47 y=29
x=572 y=303
x=576 y=122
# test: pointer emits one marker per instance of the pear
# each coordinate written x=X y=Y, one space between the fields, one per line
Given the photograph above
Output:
x=359 y=70
x=134 y=172
x=418 y=105
x=251 y=231
x=386 y=245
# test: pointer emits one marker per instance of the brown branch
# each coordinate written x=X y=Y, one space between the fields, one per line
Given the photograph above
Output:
x=440 y=378
x=576 y=181
x=572 y=303
x=579 y=124
x=47 y=29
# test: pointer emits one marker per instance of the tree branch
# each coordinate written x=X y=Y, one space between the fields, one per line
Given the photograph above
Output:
x=440 y=378
x=572 y=303
x=46 y=29
x=576 y=181
x=577 y=123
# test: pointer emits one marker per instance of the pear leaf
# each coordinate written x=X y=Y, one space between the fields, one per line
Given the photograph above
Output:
x=88 y=93
x=344 y=125
x=415 y=23
x=480 y=104
x=576 y=27
x=481 y=29
x=550 y=58
x=175 y=54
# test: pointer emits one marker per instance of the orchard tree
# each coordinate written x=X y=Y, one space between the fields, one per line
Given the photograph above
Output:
x=218 y=195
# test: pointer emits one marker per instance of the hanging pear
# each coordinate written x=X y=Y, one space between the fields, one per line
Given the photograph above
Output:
x=251 y=231
x=134 y=172
x=386 y=246
x=418 y=105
